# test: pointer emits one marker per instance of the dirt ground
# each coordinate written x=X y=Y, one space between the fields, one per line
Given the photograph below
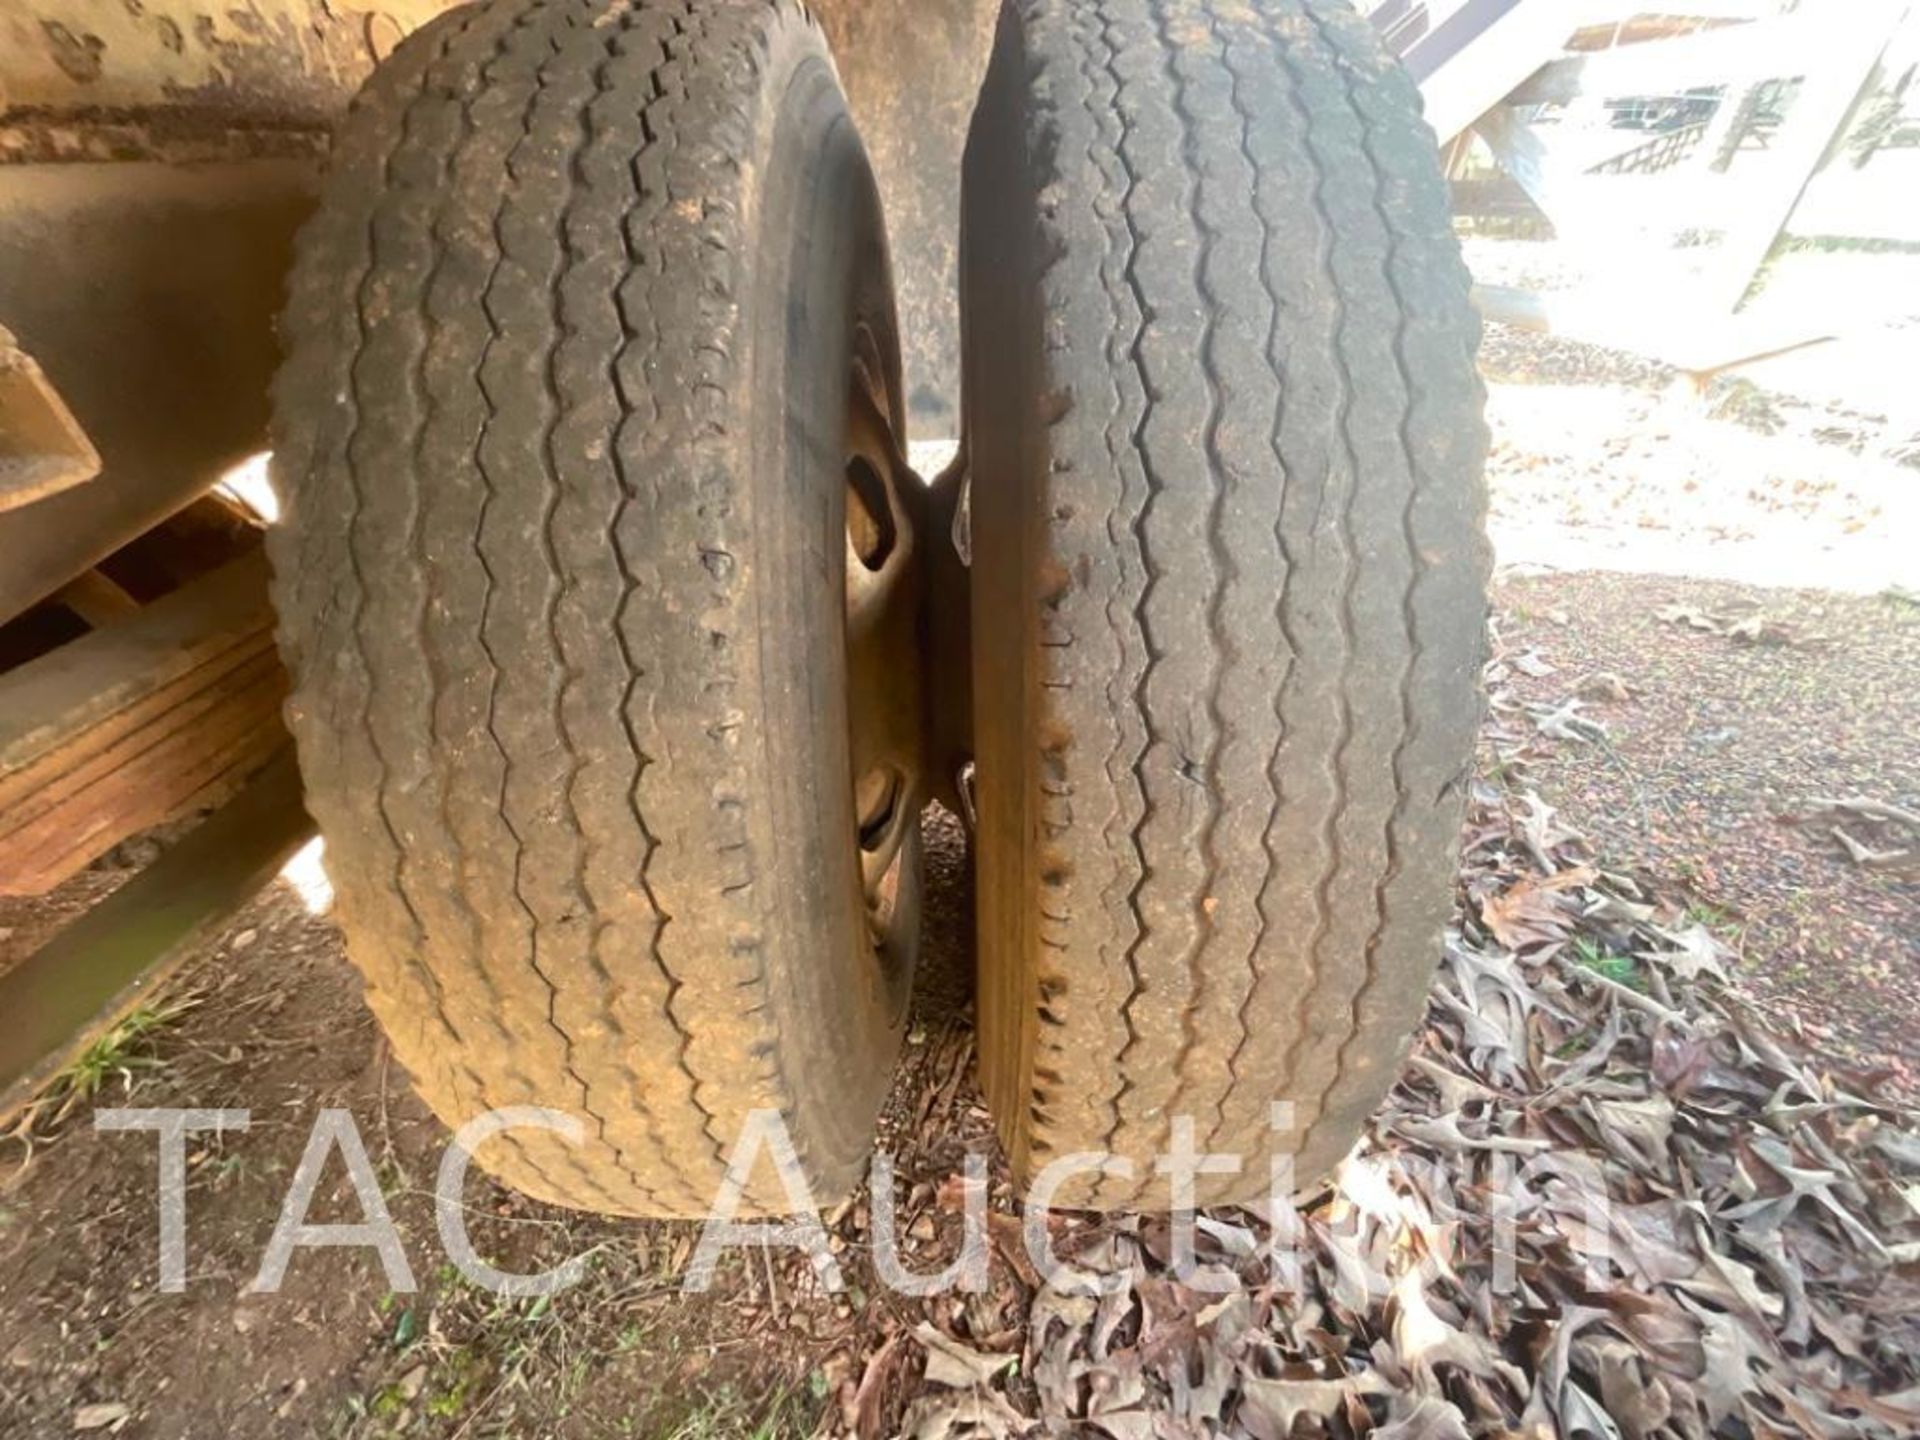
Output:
x=270 y=1020
x=1686 y=729
x=1710 y=759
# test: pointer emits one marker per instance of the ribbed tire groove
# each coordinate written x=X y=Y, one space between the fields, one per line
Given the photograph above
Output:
x=1225 y=438
x=520 y=443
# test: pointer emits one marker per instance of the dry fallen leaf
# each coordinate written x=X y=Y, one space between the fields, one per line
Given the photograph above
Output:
x=1603 y=686
x=101 y=1415
x=1269 y=1407
x=956 y=1365
x=1596 y=1204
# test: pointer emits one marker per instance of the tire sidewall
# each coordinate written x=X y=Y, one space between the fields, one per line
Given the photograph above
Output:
x=819 y=271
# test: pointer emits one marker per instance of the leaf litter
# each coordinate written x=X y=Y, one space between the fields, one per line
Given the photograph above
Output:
x=1604 y=1200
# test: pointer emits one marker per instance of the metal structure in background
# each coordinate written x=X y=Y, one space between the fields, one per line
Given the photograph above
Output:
x=1706 y=122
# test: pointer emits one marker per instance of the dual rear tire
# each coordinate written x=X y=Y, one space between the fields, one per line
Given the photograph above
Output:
x=1224 y=430
x=587 y=345
x=600 y=579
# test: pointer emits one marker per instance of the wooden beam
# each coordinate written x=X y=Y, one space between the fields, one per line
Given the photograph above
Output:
x=99 y=968
x=97 y=599
x=135 y=724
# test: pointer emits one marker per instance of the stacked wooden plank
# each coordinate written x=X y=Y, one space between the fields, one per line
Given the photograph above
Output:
x=156 y=715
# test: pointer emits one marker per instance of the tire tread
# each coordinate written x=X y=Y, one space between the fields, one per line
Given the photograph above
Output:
x=1248 y=796
x=499 y=285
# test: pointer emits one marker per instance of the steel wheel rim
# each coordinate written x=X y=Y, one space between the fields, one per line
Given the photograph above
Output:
x=881 y=603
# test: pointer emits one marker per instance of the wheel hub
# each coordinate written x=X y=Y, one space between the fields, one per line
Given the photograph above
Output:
x=883 y=587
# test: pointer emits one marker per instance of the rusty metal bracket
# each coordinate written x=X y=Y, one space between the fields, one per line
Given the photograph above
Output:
x=43 y=449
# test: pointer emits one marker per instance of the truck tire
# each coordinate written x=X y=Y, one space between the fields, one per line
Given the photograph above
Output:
x=1224 y=431
x=594 y=296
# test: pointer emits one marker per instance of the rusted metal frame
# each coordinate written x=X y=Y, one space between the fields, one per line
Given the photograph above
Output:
x=147 y=294
x=912 y=69
x=271 y=57
x=143 y=287
x=43 y=450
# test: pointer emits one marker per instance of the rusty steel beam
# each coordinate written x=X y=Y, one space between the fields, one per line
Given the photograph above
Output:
x=163 y=79
x=147 y=293
x=155 y=161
